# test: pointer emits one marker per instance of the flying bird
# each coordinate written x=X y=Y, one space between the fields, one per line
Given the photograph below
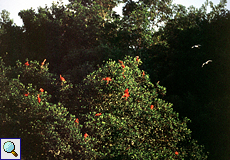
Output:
x=196 y=46
x=206 y=63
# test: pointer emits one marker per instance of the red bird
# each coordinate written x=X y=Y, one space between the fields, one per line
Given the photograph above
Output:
x=42 y=90
x=27 y=64
x=98 y=114
x=77 y=120
x=85 y=135
x=137 y=58
x=43 y=62
x=143 y=74
x=152 y=106
x=120 y=62
x=126 y=94
x=107 y=79
x=62 y=78
x=39 y=99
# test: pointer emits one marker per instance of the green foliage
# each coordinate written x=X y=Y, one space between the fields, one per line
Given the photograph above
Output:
x=117 y=126
x=9 y=38
x=5 y=21
x=46 y=126
x=89 y=60
x=130 y=129
x=76 y=38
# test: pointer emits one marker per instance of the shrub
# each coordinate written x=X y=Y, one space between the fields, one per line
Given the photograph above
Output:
x=115 y=113
x=128 y=120
x=47 y=130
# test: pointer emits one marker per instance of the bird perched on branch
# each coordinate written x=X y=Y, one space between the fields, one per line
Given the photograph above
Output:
x=206 y=63
x=196 y=46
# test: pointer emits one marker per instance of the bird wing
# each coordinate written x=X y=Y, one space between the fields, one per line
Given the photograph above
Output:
x=208 y=61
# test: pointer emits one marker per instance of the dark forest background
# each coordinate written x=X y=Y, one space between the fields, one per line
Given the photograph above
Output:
x=77 y=37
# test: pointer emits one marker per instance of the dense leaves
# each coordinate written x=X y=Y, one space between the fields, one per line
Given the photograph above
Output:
x=115 y=119
x=79 y=38
x=27 y=112
x=129 y=126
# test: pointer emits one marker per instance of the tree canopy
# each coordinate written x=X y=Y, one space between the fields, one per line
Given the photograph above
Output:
x=79 y=38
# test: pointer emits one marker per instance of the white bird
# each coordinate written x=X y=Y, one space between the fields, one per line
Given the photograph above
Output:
x=206 y=63
x=196 y=46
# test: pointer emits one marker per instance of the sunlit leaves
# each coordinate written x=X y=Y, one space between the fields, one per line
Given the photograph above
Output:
x=140 y=117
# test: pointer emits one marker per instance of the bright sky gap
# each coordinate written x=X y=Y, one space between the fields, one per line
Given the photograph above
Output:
x=14 y=6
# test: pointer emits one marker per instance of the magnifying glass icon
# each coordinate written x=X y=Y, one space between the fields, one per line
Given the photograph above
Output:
x=9 y=147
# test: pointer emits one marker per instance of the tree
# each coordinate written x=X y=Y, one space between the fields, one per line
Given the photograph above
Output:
x=60 y=30
x=5 y=21
x=103 y=112
x=126 y=119
x=11 y=39
x=30 y=113
x=187 y=83
x=76 y=38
